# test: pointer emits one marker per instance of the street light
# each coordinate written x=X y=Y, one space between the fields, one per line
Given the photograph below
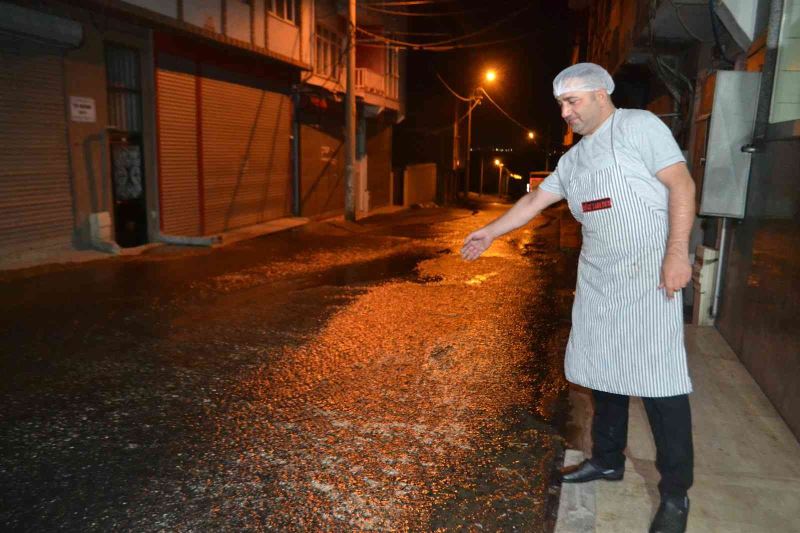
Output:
x=530 y=135
x=490 y=76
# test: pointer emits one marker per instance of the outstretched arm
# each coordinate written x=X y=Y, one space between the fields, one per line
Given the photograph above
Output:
x=523 y=211
x=675 y=269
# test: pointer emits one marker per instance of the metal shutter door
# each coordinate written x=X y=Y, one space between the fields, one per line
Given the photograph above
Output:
x=246 y=154
x=177 y=153
x=35 y=190
x=379 y=167
x=322 y=168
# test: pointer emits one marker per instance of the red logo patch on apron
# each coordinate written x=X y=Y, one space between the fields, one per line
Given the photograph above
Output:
x=596 y=205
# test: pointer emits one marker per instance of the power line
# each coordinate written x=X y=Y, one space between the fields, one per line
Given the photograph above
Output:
x=423 y=14
x=444 y=48
x=512 y=119
x=410 y=3
x=475 y=45
x=486 y=28
x=451 y=90
x=423 y=46
x=421 y=33
x=449 y=126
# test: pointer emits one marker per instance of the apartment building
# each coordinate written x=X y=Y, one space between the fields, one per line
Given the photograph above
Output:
x=129 y=122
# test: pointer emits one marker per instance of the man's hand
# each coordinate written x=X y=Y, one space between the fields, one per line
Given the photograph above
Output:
x=675 y=273
x=675 y=269
x=520 y=214
x=476 y=243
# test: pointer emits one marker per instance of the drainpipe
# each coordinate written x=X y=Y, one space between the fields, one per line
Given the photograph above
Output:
x=295 y=154
x=720 y=262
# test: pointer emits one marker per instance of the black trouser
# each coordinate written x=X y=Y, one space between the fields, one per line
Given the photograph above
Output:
x=671 y=423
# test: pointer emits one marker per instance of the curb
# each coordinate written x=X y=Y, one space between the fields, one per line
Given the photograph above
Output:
x=576 y=508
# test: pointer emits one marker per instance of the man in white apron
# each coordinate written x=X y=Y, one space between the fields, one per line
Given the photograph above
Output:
x=627 y=183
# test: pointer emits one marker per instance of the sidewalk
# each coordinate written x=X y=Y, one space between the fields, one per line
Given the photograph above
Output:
x=49 y=258
x=747 y=461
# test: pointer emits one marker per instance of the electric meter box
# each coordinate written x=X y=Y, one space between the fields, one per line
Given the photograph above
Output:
x=727 y=168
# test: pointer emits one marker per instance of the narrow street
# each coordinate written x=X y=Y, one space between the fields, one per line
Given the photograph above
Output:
x=333 y=377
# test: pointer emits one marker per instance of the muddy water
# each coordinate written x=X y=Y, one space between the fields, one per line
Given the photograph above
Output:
x=328 y=378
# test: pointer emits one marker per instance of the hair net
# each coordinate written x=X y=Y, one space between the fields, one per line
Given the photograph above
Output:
x=582 y=77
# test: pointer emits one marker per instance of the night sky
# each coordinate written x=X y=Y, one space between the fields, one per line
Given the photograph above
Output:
x=525 y=69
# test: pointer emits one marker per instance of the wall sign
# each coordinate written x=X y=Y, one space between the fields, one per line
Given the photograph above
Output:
x=82 y=109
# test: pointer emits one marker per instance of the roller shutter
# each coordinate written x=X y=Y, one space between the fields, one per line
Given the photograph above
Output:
x=179 y=177
x=224 y=149
x=246 y=154
x=379 y=165
x=36 y=208
x=322 y=169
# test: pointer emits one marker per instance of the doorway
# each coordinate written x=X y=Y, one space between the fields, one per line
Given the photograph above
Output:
x=123 y=77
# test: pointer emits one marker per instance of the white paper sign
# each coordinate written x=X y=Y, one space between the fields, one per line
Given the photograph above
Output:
x=82 y=109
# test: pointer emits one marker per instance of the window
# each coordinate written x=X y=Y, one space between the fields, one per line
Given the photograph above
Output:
x=329 y=53
x=285 y=9
x=392 y=79
x=786 y=89
x=124 y=89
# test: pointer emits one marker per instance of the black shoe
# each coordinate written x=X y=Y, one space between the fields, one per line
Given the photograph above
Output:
x=671 y=516
x=588 y=471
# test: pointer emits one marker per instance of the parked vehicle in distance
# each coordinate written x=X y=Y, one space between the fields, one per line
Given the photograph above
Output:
x=536 y=177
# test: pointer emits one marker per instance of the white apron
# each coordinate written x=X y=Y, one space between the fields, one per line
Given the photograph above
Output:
x=627 y=337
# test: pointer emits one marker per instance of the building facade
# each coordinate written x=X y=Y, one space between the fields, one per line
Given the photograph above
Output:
x=725 y=76
x=380 y=105
x=131 y=122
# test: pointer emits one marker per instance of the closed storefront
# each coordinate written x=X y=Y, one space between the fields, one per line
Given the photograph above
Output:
x=178 y=170
x=322 y=172
x=379 y=161
x=36 y=207
x=224 y=136
x=246 y=152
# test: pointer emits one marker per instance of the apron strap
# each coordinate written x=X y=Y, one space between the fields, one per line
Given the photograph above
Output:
x=613 y=151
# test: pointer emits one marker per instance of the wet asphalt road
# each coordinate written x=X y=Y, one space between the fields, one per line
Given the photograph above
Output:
x=329 y=378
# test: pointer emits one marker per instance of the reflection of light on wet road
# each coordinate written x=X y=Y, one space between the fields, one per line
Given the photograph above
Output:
x=365 y=381
x=390 y=411
x=480 y=278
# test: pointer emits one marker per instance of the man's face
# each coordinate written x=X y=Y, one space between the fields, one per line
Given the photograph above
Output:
x=581 y=110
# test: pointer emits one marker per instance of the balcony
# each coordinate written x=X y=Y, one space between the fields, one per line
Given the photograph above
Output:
x=370 y=83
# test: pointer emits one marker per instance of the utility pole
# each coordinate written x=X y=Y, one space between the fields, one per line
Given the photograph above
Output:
x=500 y=180
x=480 y=191
x=547 y=149
x=469 y=149
x=456 y=140
x=350 y=117
x=474 y=100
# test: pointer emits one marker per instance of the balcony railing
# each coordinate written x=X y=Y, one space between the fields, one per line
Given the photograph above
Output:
x=369 y=81
x=392 y=83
